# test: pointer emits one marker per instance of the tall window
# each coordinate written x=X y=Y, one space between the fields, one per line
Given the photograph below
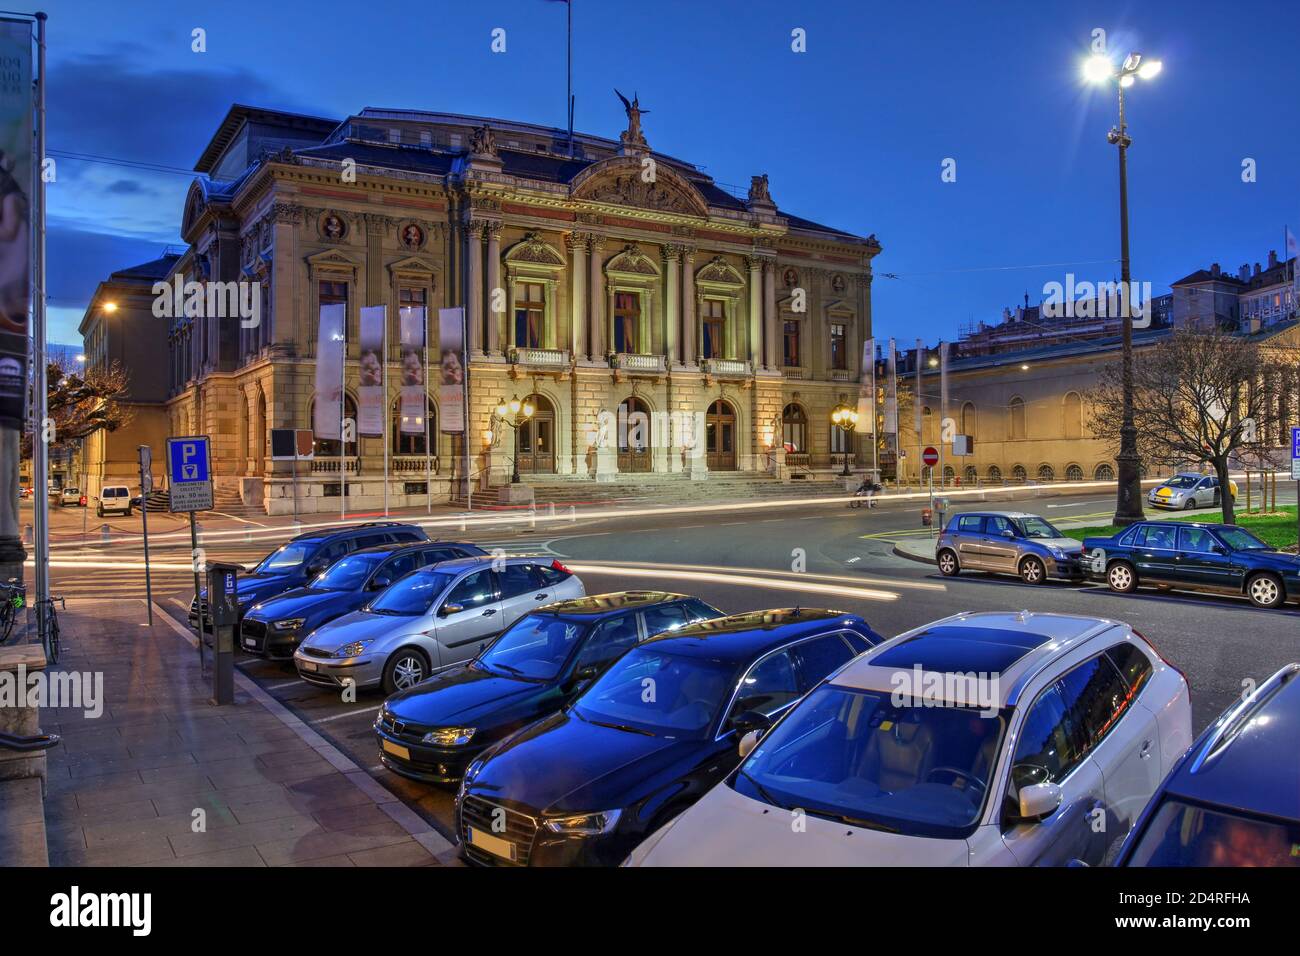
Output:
x=794 y=428
x=410 y=296
x=1073 y=411
x=1016 y=410
x=335 y=293
x=627 y=318
x=530 y=314
x=839 y=347
x=715 y=322
x=968 y=419
x=411 y=444
x=791 y=337
x=329 y=447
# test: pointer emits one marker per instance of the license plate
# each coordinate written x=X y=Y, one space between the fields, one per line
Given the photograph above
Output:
x=397 y=750
x=308 y=666
x=493 y=844
x=249 y=642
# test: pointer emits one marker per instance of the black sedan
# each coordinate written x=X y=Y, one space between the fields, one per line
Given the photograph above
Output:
x=1196 y=557
x=668 y=721
x=275 y=627
x=541 y=662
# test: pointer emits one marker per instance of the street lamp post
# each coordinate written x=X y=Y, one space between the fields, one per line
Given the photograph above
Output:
x=1099 y=69
x=521 y=412
x=846 y=419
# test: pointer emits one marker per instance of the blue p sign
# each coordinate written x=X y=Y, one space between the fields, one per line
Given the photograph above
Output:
x=187 y=459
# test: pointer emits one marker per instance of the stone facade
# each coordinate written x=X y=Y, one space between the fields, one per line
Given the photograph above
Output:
x=616 y=276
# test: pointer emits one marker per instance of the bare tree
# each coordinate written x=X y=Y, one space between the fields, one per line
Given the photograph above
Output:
x=1200 y=397
x=82 y=403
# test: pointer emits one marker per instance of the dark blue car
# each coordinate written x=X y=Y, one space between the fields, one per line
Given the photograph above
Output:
x=276 y=626
x=302 y=558
x=1197 y=557
x=1234 y=797
x=665 y=723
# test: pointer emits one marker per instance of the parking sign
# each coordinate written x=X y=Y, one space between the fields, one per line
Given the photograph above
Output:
x=1295 y=453
x=189 y=473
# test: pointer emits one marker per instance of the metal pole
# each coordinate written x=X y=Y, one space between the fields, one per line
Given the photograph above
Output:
x=1128 y=504
x=40 y=450
x=198 y=599
x=568 y=97
x=388 y=413
x=146 y=486
x=343 y=429
x=464 y=403
x=428 y=432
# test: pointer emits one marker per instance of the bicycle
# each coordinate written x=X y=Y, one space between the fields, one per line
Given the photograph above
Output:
x=13 y=597
x=52 y=646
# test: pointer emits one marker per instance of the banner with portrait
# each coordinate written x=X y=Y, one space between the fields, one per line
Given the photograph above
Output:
x=327 y=419
x=370 y=385
x=867 y=389
x=891 y=391
x=15 y=230
x=414 y=404
x=451 y=369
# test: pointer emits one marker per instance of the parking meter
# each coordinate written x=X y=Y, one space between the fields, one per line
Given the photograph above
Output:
x=925 y=517
x=223 y=611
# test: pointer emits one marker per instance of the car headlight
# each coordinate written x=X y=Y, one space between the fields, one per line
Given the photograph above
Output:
x=353 y=649
x=1056 y=552
x=585 y=824
x=449 y=736
x=289 y=624
x=471 y=772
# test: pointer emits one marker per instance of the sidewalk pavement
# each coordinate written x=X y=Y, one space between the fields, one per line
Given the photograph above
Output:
x=162 y=777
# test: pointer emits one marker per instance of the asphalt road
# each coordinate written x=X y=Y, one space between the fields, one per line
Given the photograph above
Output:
x=813 y=555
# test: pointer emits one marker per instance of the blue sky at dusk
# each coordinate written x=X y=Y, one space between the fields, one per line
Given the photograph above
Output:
x=852 y=133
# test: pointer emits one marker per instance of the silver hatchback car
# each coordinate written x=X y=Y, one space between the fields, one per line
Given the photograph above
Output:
x=1011 y=542
x=431 y=619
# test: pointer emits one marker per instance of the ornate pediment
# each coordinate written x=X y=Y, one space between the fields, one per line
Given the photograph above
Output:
x=718 y=271
x=621 y=181
x=333 y=260
x=413 y=265
x=632 y=261
x=534 y=250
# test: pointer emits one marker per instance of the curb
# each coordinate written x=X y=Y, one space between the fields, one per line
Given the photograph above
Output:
x=900 y=553
x=387 y=801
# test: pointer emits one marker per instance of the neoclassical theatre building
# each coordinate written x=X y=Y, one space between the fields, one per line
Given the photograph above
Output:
x=597 y=276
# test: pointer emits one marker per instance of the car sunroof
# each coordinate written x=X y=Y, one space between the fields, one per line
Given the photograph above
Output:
x=951 y=650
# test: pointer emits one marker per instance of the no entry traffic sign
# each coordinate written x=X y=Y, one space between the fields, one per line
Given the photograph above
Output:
x=930 y=456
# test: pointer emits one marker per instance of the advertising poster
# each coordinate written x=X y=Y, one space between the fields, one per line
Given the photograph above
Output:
x=451 y=369
x=327 y=420
x=15 y=219
x=370 y=385
x=411 y=320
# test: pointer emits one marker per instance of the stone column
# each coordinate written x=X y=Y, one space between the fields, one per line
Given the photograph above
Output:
x=474 y=294
x=769 y=313
x=577 y=243
x=689 y=333
x=756 y=355
x=672 y=263
x=597 y=294
x=493 y=230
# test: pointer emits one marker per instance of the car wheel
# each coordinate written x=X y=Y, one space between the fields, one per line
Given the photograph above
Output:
x=1189 y=504
x=1032 y=571
x=1265 y=590
x=1121 y=577
x=99 y=512
x=947 y=562
x=406 y=668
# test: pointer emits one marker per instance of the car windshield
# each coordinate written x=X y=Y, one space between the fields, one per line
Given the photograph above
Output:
x=535 y=647
x=413 y=595
x=1036 y=527
x=854 y=756
x=71 y=491
x=1182 y=481
x=348 y=574
x=1180 y=834
x=1239 y=540
x=285 y=558
x=661 y=694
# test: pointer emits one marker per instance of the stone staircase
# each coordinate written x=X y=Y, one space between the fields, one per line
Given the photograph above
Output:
x=659 y=489
x=228 y=502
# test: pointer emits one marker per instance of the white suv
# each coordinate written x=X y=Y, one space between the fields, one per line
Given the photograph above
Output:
x=113 y=499
x=994 y=739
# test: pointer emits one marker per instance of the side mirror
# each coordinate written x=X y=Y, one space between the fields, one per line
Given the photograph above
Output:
x=380 y=582
x=586 y=672
x=748 y=743
x=1038 y=800
x=315 y=568
x=749 y=721
x=1008 y=533
x=451 y=609
x=1219 y=549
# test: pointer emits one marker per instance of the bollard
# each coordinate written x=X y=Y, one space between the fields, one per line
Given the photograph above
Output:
x=462 y=522
x=248 y=536
x=29 y=536
x=103 y=533
x=550 y=510
x=532 y=516
x=573 y=514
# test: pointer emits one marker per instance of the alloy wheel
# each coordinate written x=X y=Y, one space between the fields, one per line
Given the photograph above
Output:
x=1265 y=592
x=1032 y=571
x=948 y=563
x=408 y=671
x=1120 y=577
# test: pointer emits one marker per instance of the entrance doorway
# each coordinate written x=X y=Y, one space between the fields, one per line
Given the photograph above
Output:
x=634 y=436
x=536 y=436
x=720 y=437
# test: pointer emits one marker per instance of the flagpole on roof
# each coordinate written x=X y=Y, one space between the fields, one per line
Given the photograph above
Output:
x=569 y=64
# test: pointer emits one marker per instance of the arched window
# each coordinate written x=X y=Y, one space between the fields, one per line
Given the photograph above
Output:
x=968 y=418
x=412 y=442
x=794 y=428
x=329 y=447
x=1046 y=473
x=1016 y=417
x=1103 y=472
x=1018 y=473
x=1073 y=473
x=949 y=474
x=970 y=475
x=1072 y=408
x=839 y=440
x=995 y=473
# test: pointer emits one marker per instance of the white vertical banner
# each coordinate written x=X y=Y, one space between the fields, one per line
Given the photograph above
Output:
x=451 y=370
x=867 y=389
x=943 y=380
x=370 y=385
x=327 y=420
x=17 y=186
x=414 y=405
x=917 y=417
x=891 y=393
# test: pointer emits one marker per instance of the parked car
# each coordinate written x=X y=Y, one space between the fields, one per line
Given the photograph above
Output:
x=433 y=730
x=982 y=739
x=71 y=496
x=1009 y=542
x=27 y=491
x=113 y=499
x=1196 y=557
x=1187 y=490
x=431 y=620
x=304 y=557
x=590 y=782
x=274 y=628
x=1234 y=798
